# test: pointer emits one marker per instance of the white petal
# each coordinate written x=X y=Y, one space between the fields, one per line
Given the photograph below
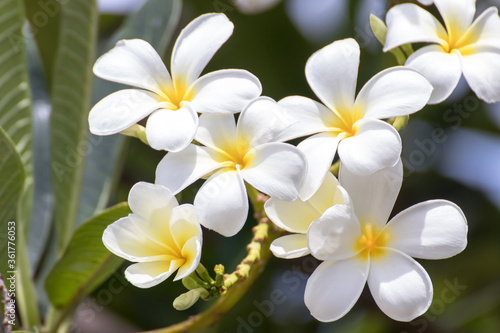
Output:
x=262 y=121
x=400 y=286
x=149 y=274
x=332 y=73
x=408 y=23
x=375 y=146
x=373 y=196
x=426 y=2
x=334 y=235
x=277 y=169
x=217 y=131
x=482 y=72
x=191 y=252
x=178 y=170
x=434 y=229
x=172 y=130
x=306 y=117
x=457 y=15
x=122 y=109
x=290 y=246
x=319 y=150
x=129 y=238
x=224 y=91
x=328 y=194
x=442 y=69
x=150 y=201
x=197 y=44
x=485 y=31
x=334 y=287
x=133 y=62
x=222 y=203
x=184 y=224
x=293 y=216
x=396 y=91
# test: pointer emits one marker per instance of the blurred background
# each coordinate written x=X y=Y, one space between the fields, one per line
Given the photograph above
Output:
x=451 y=151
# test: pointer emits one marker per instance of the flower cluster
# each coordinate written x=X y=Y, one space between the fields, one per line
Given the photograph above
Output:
x=344 y=222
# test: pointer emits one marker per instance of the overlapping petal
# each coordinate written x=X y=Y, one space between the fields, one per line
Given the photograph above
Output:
x=290 y=246
x=222 y=203
x=276 y=169
x=122 y=109
x=191 y=252
x=332 y=73
x=149 y=274
x=373 y=196
x=408 y=23
x=184 y=225
x=485 y=31
x=136 y=63
x=224 y=91
x=334 y=287
x=292 y=216
x=482 y=72
x=401 y=287
x=151 y=202
x=396 y=91
x=376 y=145
x=217 y=131
x=435 y=229
x=457 y=15
x=196 y=45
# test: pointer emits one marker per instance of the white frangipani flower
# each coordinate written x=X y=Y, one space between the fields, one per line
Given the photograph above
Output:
x=172 y=103
x=296 y=217
x=246 y=152
x=464 y=45
x=359 y=247
x=365 y=143
x=159 y=235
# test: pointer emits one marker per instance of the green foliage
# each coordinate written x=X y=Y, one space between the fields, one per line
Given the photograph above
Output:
x=86 y=263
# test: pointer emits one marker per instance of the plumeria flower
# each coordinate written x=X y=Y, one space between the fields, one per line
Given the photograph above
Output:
x=365 y=143
x=172 y=102
x=160 y=236
x=358 y=247
x=230 y=156
x=296 y=217
x=463 y=45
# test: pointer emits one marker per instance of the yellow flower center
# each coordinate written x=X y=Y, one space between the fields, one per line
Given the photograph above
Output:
x=344 y=123
x=176 y=94
x=237 y=155
x=371 y=244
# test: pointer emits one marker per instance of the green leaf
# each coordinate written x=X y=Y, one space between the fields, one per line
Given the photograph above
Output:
x=86 y=263
x=71 y=94
x=155 y=22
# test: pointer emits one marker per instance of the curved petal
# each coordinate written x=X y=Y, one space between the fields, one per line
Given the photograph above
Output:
x=376 y=145
x=485 y=31
x=373 y=196
x=400 y=286
x=306 y=117
x=396 y=91
x=151 y=202
x=197 y=44
x=122 y=109
x=217 y=131
x=334 y=287
x=334 y=235
x=191 y=252
x=149 y=274
x=136 y=63
x=290 y=246
x=482 y=72
x=184 y=225
x=127 y=238
x=172 y=130
x=224 y=91
x=457 y=15
x=328 y=194
x=222 y=203
x=277 y=169
x=442 y=69
x=426 y=2
x=178 y=170
x=319 y=151
x=434 y=229
x=408 y=23
x=293 y=216
x=332 y=73
x=262 y=121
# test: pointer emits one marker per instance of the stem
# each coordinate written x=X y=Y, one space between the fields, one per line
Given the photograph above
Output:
x=240 y=281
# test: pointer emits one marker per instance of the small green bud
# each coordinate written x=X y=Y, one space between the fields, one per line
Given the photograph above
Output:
x=190 y=283
x=188 y=299
x=379 y=28
x=219 y=276
x=203 y=274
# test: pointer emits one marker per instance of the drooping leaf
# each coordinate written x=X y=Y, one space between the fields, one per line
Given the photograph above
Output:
x=154 y=22
x=86 y=263
x=71 y=95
